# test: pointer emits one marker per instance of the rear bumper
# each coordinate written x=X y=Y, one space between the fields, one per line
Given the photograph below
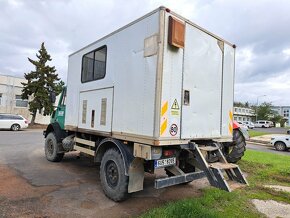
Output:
x=24 y=126
x=175 y=180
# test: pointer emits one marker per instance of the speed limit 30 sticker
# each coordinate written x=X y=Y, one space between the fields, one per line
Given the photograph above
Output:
x=173 y=129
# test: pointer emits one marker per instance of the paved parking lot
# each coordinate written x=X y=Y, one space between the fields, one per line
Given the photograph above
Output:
x=33 y=187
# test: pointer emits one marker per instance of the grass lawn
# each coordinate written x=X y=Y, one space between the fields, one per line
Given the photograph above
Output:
x=254 y=133
x=262 y=168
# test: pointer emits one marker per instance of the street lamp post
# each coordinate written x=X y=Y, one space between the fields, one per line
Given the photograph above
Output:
x=258 y=105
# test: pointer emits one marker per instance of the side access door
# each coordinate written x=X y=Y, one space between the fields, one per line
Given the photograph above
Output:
x=202 y=85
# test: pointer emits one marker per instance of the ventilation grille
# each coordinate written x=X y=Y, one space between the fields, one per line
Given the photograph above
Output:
x=103 y=111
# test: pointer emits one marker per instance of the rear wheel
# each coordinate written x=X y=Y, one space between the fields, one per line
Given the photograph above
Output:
x=112 y=174
x=235 y=151
x=51 y=148
x=280 y=146
x=15 y=127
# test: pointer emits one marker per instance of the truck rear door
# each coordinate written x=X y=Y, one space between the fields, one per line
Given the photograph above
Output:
x=202 y=85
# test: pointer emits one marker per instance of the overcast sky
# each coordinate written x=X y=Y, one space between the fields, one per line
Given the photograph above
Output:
x=260 y=29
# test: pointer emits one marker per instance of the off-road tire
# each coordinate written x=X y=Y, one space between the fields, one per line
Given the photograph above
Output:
x=235 y=151
x=280 y=146
x=15 y=127
x=51 y=148
x=112 y=174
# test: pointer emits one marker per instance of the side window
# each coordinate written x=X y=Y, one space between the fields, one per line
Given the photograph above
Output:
x=94 y=65
x=7 y=117
x=63 y=102
x=17 y=117
x=88 y=67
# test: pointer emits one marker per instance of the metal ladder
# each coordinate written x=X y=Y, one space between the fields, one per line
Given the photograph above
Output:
x=220 y=174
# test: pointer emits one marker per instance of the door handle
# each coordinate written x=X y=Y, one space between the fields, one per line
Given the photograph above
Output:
x=186 y=97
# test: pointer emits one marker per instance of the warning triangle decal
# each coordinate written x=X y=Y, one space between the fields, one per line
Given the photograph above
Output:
x=175 y=105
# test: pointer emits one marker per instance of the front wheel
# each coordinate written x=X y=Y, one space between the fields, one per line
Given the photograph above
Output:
x=235 y=151
x=112 y=173
x=51 y=148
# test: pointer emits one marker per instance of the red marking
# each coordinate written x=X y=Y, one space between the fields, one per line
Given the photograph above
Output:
x=236 y=125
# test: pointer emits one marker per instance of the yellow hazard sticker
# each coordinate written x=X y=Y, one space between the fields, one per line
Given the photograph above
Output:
x=175 y=108
x=174 y=112
x=175 y=105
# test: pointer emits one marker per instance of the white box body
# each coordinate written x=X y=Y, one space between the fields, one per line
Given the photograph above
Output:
x=145 y=82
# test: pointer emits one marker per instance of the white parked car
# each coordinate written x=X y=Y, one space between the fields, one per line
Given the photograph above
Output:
x=262 y=124
x=243 y=125
x=271 y=124
x=13 y=122
x=249 y=124
x=281 y=142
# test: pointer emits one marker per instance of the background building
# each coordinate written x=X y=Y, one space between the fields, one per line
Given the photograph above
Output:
x=284 y=112
x=244 y=114
x=11 y=102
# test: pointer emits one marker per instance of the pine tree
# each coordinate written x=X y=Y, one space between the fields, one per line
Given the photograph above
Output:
x=40 y=83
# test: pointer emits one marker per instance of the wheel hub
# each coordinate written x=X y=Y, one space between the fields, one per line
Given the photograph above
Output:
x=112 y=174
x=50 y=147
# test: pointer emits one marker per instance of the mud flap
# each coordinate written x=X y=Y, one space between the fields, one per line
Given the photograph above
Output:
x=136 y=175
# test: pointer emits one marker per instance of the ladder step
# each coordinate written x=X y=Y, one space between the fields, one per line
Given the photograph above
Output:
x=221 y=174
x=208 y=148
x=223 y=166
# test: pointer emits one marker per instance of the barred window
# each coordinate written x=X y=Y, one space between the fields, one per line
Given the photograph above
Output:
x=94 y=65
x=19 y=102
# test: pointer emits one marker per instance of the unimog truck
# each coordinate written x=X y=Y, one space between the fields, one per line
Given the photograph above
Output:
x=155 y=94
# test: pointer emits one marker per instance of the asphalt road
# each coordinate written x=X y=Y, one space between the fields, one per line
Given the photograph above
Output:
x=33 y=187
x=266 y=149
x=274 y=130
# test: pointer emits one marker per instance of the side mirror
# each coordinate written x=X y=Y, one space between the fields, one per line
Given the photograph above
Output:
x=52 y=96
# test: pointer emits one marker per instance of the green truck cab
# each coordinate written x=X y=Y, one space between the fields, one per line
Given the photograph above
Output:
x=58 y=115
x=55 y=133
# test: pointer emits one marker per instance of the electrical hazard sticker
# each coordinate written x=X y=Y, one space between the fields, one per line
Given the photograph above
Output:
x=175 y=108
x=173 y=130
x=175 y=105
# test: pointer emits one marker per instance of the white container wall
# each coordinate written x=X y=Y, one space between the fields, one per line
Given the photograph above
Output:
x=154 y=92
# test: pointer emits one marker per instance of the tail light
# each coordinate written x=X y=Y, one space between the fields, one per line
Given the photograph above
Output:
x=26 y=121
x=168 y=153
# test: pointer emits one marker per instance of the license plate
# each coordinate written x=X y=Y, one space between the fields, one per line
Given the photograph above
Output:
x=164 y=162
